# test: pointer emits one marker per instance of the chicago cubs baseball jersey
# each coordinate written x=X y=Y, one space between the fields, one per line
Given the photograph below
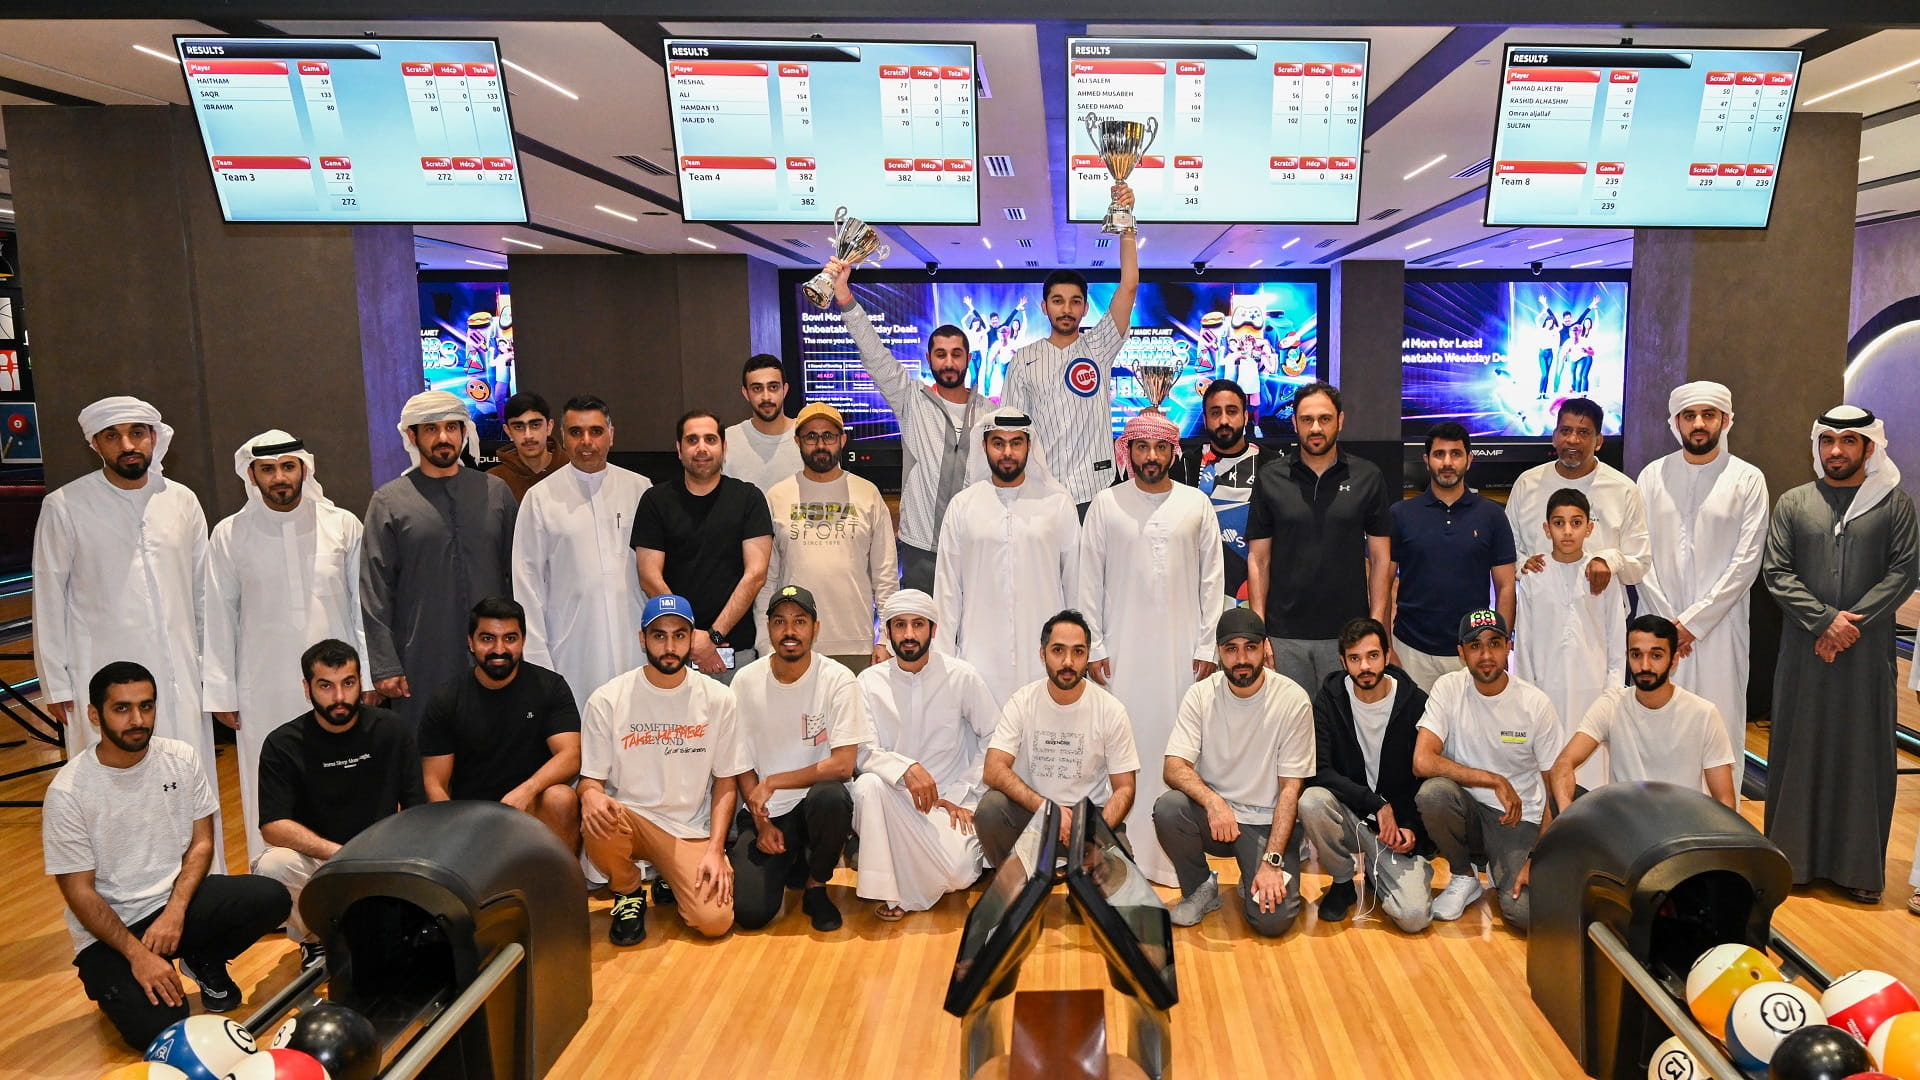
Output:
x=1069 y=394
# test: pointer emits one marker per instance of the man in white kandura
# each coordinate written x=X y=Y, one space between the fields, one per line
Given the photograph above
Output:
x=572 y=564
x=119 y=573
x=1707 y=520
x=282 y=574
x=1152 y=586
x=1619 y=546
x=921 y=777
x=1009 y=558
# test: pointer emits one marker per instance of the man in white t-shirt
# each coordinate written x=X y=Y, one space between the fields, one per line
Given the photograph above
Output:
x=1241 y=747
x=761 y=449
x=920 y=780
x=659 y=750
x=1486 y=742
x=1653 y=730
x=128 y=836
x=833 y=534
x=803 y=723
x=1060 y=739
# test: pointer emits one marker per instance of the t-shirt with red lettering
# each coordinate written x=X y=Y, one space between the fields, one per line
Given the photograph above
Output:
x=658 y=751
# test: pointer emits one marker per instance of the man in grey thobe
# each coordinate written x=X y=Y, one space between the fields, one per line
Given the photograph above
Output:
x=439 y=539
x=1841 y=557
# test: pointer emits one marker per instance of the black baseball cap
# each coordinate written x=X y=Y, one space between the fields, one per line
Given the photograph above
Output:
x=1475 y=621
x=1239 y=622
x=795 y=594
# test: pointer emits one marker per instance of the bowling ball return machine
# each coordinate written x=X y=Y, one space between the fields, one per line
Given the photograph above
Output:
x=1630 y=885
x=459 y=929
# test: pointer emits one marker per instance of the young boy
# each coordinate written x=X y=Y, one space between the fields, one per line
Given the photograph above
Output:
x=1570 y=642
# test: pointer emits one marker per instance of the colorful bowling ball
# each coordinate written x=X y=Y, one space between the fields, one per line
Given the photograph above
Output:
x=339 y=1038
x=205 y=1047
x=145 y=1070
x=1719 y=976
x=1672 y=1061
x=1896 y=1046
x=1818 y=1052
x=1860 y=1001
x=1764 y=1015
x=279 y=1064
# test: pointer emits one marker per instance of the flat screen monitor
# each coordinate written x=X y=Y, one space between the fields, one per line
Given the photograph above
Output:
x=1264 y=331
x=1247 y=130
x=1130 y=924
x=1625 y=137
x=1005 y=922
x=466 y=347
x=785 y=131
x=355 y=130
x=1499 y=355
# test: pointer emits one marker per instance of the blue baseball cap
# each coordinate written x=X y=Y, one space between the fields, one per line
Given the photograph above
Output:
x=663 y=605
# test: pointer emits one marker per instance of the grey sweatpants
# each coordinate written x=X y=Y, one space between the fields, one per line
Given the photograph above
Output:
x=1181 y=825
x=1464 y=828
x=1307 y=661
x=1403 y=883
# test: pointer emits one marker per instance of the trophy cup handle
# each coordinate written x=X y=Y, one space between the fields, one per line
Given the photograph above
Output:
x=839 y=219
x=879 y=255
x=1153 y=129
x=1092 y=122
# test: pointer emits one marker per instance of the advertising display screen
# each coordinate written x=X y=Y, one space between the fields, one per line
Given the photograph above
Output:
x=466 y=347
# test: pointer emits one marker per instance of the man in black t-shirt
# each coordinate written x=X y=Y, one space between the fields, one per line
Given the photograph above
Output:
x=508 y=731
x=329 y=774
x=706 y=537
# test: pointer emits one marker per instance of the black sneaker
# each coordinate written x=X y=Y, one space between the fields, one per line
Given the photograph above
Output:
x=663 y=893
x=629 y=919
x=312 y=954
x=1338 y=901
x=819 y=907
x=218 y=992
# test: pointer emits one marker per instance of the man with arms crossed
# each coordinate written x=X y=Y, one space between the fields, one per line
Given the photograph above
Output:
x=128 y=835
x=327 y=774
x=1360 y=805
x=507 y=731
x=1064 y=380
x=659 y=752
x=936 y=424
x=706 y=537
x=1234 y=765
x=1486 y=741
x=803 y=723
x=920 y=779
x=1060 y=739
x=1653 y=730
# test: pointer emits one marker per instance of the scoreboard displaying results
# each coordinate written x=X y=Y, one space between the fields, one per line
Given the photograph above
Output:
x=788 y=131
x=1631 y=136
x=1249 y=131
x=355 y=130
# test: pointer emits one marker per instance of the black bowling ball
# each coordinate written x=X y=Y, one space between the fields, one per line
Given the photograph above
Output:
x=1819 y=1052
x=338 y=1038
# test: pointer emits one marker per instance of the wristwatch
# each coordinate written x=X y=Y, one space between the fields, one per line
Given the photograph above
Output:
x=1273 y=859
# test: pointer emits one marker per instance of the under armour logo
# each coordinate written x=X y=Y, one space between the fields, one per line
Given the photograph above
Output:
x=169 y=786
x=529 y=716
x=1346 y=487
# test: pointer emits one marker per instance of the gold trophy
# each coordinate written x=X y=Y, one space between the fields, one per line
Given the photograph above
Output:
x=1120 y=143
x=854 y=242
x=1157 y=378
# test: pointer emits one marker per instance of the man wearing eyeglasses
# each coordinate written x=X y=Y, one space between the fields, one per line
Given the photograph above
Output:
x=833 y=535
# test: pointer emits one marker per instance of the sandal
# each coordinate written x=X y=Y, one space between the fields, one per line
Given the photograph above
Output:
x=1868 y=897
x=889 y=913
x=1913 y=903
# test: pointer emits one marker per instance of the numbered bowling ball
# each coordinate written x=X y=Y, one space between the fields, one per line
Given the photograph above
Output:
x=1719 y=976
x=205 y=1047
x=1860 y=1001
x=145 y=1070
x=339 y=1038
x=1818 y=1052
x=1672 y=1061
x=1762 y=1017
x=1896 y=1046
x=279 y=1064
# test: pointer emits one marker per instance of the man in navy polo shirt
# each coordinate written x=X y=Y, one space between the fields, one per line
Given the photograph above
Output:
x=1328 y=510
x=1449 y=545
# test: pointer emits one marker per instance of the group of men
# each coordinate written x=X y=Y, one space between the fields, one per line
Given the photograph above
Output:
x=730 y=675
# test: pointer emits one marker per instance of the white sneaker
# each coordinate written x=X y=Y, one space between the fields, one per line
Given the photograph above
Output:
x=1193 y=907
x=1453 y=900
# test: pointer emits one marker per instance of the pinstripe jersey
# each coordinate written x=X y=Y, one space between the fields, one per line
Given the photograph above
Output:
x=1069 y=394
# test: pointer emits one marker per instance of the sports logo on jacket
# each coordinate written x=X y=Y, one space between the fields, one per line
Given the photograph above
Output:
x=1083 y=377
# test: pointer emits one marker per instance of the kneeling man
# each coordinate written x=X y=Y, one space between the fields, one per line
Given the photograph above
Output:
x=329 y=774
x=659 y=751
x=1241 y=747
x=920 y=780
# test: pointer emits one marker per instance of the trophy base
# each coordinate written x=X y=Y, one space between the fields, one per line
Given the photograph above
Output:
x=1119 y=221
x=819 y=290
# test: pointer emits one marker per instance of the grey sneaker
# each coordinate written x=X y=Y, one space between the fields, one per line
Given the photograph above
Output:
x=1193 y=907
x=1454 y=900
